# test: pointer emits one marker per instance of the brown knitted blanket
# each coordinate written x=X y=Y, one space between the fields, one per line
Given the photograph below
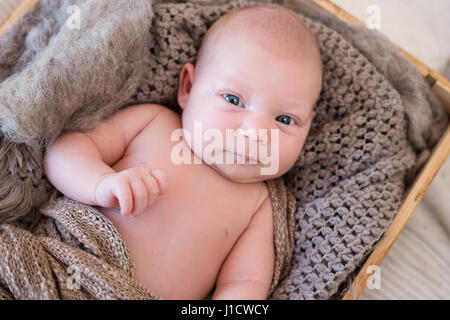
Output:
x=376 y=123
x=75 y=252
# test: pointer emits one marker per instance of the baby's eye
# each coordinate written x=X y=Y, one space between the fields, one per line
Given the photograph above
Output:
x=285 y=120
x=231 y=98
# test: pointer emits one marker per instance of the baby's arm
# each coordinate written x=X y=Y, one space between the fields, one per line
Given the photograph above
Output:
x=247 y=272
x=76 y=162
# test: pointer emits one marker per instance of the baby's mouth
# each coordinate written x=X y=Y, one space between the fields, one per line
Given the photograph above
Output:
x=245 y=157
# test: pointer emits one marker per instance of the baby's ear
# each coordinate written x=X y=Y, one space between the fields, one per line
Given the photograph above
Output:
x=186 y=80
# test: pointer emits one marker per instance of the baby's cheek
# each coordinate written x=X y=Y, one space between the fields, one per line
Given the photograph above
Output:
x=206 y=118
x=289 y=153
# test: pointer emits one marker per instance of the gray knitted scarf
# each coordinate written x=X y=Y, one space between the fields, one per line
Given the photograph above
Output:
x=376 y=122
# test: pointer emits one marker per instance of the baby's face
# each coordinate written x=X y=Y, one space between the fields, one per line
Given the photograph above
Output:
x=243 y=85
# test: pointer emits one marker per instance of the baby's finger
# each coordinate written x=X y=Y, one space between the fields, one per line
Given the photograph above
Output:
x=152 y=187
x=122 y=192
x=161 y=179
x=140 y=196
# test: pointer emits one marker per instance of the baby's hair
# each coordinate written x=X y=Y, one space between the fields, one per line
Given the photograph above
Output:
x=276 y=24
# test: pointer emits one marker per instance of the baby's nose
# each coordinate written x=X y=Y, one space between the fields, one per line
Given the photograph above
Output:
x=252 y=134
x=258 y=131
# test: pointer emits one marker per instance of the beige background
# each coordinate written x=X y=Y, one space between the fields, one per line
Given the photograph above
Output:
x=418 y=265
x=6 y=6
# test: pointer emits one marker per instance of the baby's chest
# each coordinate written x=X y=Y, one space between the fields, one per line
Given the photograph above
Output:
x=154 y=145
x=198 y=205
x=189 y=232
x=199 y=201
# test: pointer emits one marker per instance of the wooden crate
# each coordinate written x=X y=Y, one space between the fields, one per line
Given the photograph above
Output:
x=441 y=87
x=415 y=193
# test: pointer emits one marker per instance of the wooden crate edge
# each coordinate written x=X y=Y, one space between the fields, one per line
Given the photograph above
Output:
x=441 y=87
x=413 y=196
x=21 y=10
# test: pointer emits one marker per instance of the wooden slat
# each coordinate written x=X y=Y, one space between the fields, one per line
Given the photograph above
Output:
x=336 y=11
x=18 y=13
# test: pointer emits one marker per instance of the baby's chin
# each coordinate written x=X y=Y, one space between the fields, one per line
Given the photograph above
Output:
x=241 y=173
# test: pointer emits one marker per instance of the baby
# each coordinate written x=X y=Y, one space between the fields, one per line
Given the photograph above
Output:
x=202 y=227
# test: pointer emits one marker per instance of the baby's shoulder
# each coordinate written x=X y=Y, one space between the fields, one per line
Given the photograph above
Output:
x=162 y=111
x=263 y=212
x=165 y=119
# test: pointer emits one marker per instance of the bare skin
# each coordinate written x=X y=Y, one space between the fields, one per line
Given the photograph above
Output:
x=180 y=243
x=181 y=239
x=196 y=229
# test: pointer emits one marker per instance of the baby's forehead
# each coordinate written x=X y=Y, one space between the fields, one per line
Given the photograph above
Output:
x=269 y=19
x=274 y=27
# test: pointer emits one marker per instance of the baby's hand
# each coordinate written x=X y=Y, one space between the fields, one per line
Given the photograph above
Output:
x=132 y=190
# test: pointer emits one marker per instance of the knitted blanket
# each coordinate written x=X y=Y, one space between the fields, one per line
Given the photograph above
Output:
x=376 y=122
x=74 y=252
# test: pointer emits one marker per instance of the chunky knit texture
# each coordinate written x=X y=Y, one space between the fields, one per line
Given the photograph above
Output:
x=365 y=143
x=73 y=252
